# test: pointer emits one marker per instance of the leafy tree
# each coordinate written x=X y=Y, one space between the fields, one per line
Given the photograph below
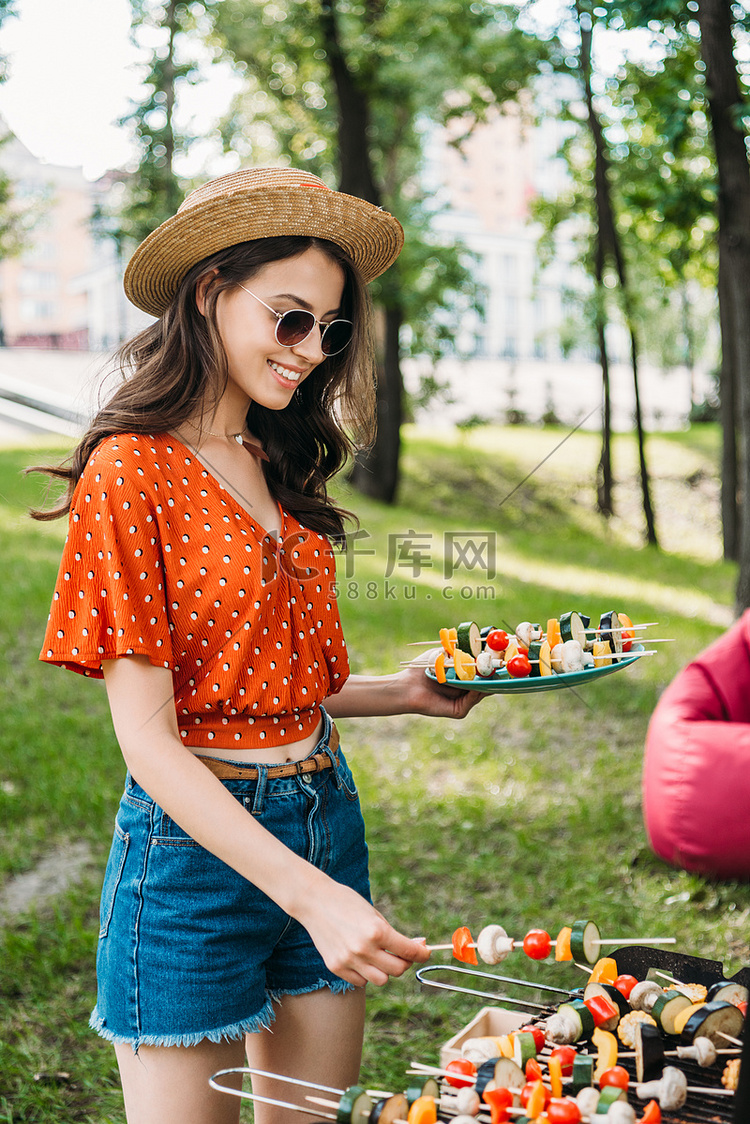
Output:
x=348 y=90
x=154 y=191
x=716 y=26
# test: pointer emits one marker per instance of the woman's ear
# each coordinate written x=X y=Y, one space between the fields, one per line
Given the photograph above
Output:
x=202 y=288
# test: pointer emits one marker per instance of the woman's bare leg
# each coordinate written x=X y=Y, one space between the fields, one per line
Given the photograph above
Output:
x=316 y=1037
x=169 y=1084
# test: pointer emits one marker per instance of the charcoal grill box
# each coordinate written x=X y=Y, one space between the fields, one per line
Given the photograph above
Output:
x=489 y=1022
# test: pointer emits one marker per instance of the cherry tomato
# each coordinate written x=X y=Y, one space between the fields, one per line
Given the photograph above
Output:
x=628 y=634
x=533 y=1070
x=567 y=1056
x=518 y=667
x=537 y=943
x=460 y=1072
x=538 y=1033
x=564 y=1111
x=651 y=1113
x=462 y=949
x=625 y=984
x=617 y=1075
x=497 y=640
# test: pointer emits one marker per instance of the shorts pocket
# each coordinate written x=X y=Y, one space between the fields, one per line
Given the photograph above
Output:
x=348 y=784
x=112 y=877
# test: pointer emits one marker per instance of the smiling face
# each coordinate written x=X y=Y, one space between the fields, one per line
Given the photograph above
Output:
x=261 y=369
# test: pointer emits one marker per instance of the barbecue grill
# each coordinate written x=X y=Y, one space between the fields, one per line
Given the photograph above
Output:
x=635 y=960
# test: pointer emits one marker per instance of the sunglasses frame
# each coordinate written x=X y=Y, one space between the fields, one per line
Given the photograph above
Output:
x=315 y=324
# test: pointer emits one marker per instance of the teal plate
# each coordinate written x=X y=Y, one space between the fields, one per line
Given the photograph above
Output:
x=502 y=683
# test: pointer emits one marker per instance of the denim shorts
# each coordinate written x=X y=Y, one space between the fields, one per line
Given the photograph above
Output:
x=189 y=949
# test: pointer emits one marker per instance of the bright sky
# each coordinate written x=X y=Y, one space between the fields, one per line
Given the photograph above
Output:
x=73 y=70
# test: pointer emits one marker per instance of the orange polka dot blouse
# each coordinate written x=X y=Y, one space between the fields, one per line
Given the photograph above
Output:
x=161 y=561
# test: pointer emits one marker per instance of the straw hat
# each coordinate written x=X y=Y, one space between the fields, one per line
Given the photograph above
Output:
x=258 y=203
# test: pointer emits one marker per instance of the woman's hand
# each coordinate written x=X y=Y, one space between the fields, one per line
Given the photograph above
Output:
x=406 y=692
x=427 y=696
x=354 y=939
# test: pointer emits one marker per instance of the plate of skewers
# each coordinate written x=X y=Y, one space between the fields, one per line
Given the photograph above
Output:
x=567 y=653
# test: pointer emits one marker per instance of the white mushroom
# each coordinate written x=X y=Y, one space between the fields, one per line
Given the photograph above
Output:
x=560 y=1030
x=572 y=656
x=463 y=1118
x=670 y=1091
x=702 y=1051
x=479 y=1050
x=523 y=632
x=467 y=1101
x=485 y=663
x=493 y=944
x=587 y=1100
x=620 y=1113
x=644 y=995
x=556 y=658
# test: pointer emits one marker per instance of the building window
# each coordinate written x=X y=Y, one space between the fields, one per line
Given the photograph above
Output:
x=37 y=310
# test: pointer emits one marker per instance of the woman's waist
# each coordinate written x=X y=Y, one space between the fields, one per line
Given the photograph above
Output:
x=265 y=739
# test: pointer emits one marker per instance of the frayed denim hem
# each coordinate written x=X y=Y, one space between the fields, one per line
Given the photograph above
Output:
x=338 y=987
x=236 y=1030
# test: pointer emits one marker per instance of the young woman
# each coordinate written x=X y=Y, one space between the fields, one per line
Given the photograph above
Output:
x=198 y=580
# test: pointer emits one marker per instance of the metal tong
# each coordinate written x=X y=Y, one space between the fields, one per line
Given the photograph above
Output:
x=524 y=1003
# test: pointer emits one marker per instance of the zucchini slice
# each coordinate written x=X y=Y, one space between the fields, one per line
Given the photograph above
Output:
x=667 y=1007
x=540 y=658
x=469 y=638
x=354 y=1107
x=711 y=1019
x=573 y=628
x=524 y=1047
x=584 y=941
x=583 y=1072
x=577 y=1011
x=427 y=1088
x=509 y=1075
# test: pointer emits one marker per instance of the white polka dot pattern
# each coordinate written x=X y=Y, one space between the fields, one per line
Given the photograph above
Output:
x=161 y=561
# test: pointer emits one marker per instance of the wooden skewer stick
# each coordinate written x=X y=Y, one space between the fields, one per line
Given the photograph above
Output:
x=729 y=1038
x=612 y=656
x=711 y=1091
x=609 y=941
x=436 y=643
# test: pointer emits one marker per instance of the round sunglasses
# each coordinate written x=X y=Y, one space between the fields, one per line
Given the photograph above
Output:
x=296 y=325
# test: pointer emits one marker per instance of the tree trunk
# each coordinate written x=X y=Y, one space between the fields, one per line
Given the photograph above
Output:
x=609 y=246
x=375 y=471
x=604 y=480
x=717 y=50
x=728 y=416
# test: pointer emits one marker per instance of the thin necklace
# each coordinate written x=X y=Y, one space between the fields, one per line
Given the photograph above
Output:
x=249 y=445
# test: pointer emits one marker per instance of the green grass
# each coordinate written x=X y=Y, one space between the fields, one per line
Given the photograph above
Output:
x=527 y=813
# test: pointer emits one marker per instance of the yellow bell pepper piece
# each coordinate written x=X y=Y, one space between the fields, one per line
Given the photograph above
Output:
x=606 y=1045
x=464 y=665
x=554 y=1066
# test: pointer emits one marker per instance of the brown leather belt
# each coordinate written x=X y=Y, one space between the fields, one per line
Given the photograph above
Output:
x=228 y=771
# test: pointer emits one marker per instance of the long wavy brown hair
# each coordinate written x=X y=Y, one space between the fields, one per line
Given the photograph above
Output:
x=176 y=371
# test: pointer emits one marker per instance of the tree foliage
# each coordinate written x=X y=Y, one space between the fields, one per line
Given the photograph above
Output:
x=349 y=90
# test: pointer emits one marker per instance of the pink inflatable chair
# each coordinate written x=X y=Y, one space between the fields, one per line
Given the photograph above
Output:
x=696 y=775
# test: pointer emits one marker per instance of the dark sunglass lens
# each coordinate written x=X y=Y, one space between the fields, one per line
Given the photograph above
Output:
x=294 y=327
x=336 y=336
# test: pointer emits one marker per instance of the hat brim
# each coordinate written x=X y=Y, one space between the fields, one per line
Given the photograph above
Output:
x=370 y=236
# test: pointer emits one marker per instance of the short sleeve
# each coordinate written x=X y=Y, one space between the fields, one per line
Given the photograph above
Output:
x=110 y=598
